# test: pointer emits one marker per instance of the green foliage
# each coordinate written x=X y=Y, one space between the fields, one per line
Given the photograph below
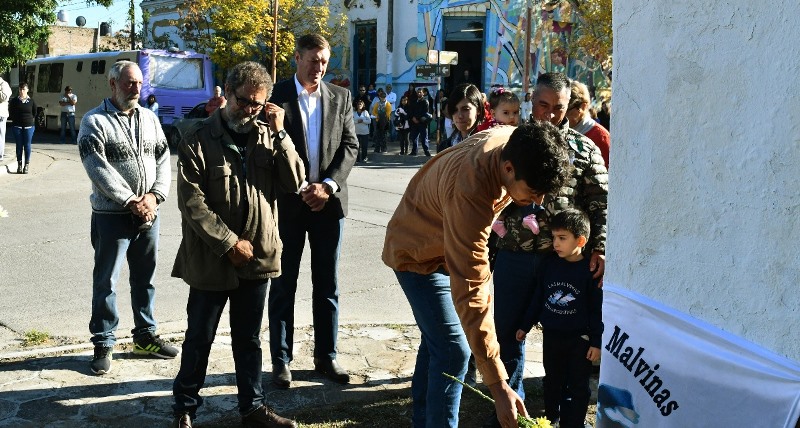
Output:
x=23 y=26
x=595 y=37
x=35 y=338
x=232 y=31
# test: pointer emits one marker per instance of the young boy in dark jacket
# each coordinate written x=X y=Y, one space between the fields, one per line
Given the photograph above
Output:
x=567 y=302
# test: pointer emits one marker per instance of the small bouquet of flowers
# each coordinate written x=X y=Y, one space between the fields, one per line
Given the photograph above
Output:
x=522 y=421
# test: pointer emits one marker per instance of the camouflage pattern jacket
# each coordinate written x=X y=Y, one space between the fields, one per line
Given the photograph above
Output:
x=586 y=190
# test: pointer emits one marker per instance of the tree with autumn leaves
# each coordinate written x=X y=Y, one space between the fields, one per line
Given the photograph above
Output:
x=595 y=37
x=232 y=31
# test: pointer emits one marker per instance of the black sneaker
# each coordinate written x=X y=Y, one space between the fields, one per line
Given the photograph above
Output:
x=155 y=346
x=101 y=363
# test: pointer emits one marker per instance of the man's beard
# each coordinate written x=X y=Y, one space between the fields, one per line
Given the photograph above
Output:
x=125 y=103
x=241 y=125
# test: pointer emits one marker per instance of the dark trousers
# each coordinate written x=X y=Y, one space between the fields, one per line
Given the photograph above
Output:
x=566 y=380
x=324 y=234
x=204 y=310
x=363 y=145
x=419 y=131
x=403 y=134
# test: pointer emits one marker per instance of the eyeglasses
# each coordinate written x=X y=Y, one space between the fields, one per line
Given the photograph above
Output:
x=245 y=103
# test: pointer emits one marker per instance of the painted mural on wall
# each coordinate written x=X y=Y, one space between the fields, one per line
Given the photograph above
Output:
x=504 y=38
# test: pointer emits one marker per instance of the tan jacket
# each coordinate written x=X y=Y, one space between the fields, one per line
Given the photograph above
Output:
x=219 y=206
x=444 y=219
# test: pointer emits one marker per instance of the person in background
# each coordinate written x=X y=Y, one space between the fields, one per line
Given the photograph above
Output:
x=581 y=120
x=5 y=95
x=130 y=174
x=401 y=123
x=319 y=120
x=22 y=112
x=152 y=104
x=382 y=115
x=420 y=117
x=525 y=109
x=604 y=115
x=362 y=120
x=230 y=250
x=216 y=101
x=391 y=97
x=67 y=103
x=465 y=107
x=362 y=95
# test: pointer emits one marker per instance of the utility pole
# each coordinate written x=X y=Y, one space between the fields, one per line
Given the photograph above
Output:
x=132 y=15
x=527 y=75
x=275 y=41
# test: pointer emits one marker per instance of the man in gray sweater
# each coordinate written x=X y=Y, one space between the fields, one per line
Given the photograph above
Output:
x=126 y=156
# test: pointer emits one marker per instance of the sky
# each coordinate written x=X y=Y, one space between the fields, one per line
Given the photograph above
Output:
x=96 y=14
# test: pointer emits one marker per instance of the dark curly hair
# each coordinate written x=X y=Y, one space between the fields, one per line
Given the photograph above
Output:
x=573 y=221
x=249 y=73
x=539 y=155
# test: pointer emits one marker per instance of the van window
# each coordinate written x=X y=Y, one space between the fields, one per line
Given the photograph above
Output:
x=176 y=73
x=49 y=77
x=98 y=67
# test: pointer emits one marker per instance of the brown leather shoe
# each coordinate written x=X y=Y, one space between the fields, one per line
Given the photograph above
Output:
x=265 y=417
x=182 y=421
x=281 y=376
x=332 y=370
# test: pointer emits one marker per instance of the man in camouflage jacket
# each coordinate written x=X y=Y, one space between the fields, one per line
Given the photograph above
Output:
x=520 y=249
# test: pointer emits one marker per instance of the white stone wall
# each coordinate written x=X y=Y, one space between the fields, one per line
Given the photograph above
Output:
x=705 y=200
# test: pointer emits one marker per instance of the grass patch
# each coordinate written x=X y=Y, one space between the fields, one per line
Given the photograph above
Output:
x=35 y=338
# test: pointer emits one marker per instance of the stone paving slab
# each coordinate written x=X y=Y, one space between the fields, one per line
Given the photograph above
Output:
x=59 y=390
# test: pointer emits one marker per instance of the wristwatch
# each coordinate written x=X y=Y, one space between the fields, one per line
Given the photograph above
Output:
x=159 y=198
x=280 y=135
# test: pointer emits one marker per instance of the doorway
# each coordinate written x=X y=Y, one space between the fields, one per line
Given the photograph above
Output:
x=465 y=35
x=364 y=54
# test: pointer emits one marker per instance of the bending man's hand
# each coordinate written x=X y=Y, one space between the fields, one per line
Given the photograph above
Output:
x=315 y=196
x=507 y=404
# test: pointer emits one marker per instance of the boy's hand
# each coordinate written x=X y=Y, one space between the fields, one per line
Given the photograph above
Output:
x=521 y=335
x=593 y=354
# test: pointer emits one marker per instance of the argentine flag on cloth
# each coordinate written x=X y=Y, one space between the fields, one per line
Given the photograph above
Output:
x=663 y=368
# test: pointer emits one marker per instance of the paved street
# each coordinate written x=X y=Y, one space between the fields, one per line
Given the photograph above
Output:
x=46 y=257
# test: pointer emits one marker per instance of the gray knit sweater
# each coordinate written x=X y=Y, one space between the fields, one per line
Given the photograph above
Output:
x=124 y=157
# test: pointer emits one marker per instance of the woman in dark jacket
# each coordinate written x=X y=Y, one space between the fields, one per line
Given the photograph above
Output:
x=22 y=112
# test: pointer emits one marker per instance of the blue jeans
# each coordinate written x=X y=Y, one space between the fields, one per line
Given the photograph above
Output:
x=443 y=348
x=204 y=310
x=419 y=132
x=325 y=239
x=115 y=236
x=514 y=284
x=24 y=138
x=65 y=119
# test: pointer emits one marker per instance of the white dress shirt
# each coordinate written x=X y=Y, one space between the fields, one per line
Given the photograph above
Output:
x=311 y=112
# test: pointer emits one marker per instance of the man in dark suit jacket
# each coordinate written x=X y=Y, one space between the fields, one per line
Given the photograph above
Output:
x=319 y=118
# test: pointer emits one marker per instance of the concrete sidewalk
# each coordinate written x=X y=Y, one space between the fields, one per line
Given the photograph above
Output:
x=54 y=387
